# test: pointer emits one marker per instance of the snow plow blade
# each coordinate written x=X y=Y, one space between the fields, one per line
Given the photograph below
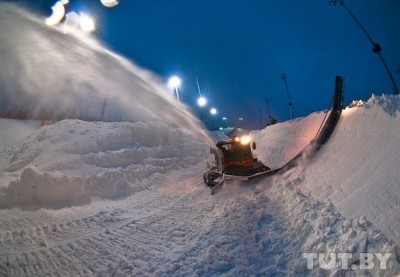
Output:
x=247 y=177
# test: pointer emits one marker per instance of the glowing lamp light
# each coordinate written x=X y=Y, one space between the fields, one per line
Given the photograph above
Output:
x=86 y=23
x=58 y=13
x=174 y=82
x=245 y=140
x=109 y=3
x=213 y=111
x=201 y=101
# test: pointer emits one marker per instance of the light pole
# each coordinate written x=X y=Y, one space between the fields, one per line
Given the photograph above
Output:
x=283 y=77
x=175 y=82
x=213 y=112
x=376 y=48
x=201 y=101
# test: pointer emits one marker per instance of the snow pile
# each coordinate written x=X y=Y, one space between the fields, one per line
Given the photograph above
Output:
x=390 y=103
x=74 y=158
x=357 y=170
x=279 y=143
x=319 y=228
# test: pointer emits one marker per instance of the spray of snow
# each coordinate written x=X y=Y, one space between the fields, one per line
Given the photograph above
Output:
x=47 y=73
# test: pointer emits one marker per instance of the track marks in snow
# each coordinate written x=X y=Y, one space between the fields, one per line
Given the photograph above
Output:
x=131 y=239
x=179 y=229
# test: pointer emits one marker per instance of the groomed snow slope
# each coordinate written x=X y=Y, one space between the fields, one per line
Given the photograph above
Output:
x=358 y=171
x=127 y=199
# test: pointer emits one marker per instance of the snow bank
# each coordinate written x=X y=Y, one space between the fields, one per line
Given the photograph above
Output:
x=319 y=228
x=390 y=103
x=279 y=143
x=357 y=170
x=74 y=158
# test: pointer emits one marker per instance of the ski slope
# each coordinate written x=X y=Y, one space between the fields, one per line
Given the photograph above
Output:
x=127 y=199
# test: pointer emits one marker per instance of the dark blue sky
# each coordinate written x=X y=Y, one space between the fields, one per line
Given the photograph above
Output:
x=238 y=50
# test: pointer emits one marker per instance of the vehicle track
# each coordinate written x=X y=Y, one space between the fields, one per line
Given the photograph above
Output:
x=134 y=236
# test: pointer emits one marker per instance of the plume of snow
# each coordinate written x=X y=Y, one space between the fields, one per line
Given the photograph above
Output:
x=48 y=74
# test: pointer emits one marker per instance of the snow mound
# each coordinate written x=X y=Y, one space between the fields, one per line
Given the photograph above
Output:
x=319 y=228
x=73 y=158
x=389 y=103
x=278 y=143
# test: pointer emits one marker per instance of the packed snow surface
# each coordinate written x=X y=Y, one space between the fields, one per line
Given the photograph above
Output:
x=127 y=199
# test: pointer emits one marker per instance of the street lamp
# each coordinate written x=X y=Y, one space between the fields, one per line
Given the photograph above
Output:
x=109 y=3
x=213 y=112
x=376 y=48
x=58 y=13
x=201 y=101
x=175 y=82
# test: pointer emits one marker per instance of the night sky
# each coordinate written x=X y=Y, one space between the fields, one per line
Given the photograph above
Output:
x=238 y=50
